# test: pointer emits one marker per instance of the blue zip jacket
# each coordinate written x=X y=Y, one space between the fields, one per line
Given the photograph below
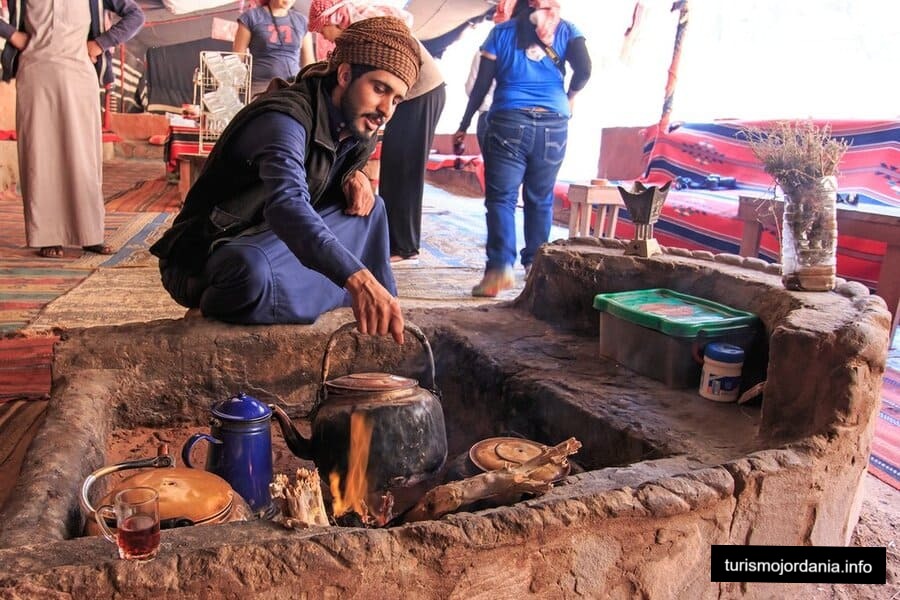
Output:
x=132 y=18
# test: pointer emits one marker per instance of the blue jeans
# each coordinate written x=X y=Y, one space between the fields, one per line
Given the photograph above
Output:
x=522 y=147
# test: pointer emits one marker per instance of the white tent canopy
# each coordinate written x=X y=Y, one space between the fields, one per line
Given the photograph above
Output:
x=755 y=59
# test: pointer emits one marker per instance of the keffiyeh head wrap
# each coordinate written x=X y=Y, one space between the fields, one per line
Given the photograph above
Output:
x=381 y=42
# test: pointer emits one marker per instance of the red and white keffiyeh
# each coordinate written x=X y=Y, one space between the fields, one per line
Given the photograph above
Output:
x=342 y=13
x=545 y=18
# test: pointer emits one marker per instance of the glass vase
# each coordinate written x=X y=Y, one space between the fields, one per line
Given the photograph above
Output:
x=809 y=237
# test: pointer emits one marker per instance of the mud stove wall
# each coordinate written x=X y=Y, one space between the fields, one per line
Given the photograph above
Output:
x=667 y=473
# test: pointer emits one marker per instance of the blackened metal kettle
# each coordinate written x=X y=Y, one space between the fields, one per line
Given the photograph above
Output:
x=408 y=441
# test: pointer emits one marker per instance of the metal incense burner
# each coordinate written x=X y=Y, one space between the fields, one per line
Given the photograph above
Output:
x=644 y=205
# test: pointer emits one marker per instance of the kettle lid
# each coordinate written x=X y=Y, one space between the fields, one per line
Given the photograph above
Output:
x=498 y=452
x=371 y=382
x=242 y=407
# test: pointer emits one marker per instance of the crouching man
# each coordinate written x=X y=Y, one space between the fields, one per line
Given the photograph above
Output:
x=282 y=225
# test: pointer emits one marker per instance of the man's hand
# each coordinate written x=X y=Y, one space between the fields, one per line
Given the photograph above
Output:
x=19 y=40
x=377 y=312
x=94 y=51
x=360 y=197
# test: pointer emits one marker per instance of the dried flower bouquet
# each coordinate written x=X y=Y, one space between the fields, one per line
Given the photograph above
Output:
x=803 y=159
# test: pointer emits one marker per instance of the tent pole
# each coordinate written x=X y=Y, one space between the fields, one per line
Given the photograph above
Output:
x=672 y=80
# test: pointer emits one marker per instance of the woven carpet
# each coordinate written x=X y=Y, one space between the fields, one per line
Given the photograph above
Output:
x=154 y=195
x=416 y=287
x=138 y=296
x=28 y=281
x=120 y=228
x=122 y=176
x=25 y=290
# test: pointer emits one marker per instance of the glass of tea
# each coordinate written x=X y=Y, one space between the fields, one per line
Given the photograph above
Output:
x=136 y=513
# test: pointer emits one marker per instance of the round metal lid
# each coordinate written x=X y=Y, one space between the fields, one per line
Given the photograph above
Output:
x=371 y=382
x=495 y=453
x=242 y=408
x=184 y=493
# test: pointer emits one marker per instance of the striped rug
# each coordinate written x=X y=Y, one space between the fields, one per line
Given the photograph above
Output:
x=120 y=228
x=24 y=291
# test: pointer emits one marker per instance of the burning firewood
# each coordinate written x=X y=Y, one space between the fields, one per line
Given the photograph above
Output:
x=508 y=482
x=301 y=503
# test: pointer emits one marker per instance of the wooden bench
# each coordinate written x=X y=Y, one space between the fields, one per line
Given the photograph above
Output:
x=583 y=198
x=759 y=213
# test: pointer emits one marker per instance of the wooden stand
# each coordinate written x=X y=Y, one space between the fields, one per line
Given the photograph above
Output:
x=583 y=199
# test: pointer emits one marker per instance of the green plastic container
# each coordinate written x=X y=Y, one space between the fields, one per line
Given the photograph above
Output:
x=661 y=333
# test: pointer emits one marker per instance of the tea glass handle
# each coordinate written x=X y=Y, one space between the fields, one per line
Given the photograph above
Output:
x=101 y=521
x=413 y=329
x=189 y=445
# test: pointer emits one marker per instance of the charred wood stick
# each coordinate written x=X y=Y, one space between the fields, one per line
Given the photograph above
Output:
x=301 y=503
x=506 y=483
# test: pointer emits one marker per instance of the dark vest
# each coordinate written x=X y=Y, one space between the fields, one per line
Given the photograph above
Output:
x=228 y=199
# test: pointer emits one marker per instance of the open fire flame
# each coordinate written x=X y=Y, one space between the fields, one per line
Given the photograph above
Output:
x=353 y=495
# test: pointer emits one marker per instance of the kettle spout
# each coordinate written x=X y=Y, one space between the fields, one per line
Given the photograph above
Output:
x=300 y=446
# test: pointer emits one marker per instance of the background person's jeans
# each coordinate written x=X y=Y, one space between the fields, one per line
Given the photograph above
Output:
x=522 y=147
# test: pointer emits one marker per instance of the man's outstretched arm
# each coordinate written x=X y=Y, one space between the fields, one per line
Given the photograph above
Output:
x=295 y=221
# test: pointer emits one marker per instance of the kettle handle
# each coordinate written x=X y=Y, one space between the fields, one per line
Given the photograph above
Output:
x=413 y=329
x=157 y=461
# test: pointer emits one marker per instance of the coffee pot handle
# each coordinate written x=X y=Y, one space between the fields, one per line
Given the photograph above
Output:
x=189 y=445
x=413 y=329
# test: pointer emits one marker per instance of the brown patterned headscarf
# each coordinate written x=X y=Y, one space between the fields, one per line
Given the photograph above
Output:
x=381 y=42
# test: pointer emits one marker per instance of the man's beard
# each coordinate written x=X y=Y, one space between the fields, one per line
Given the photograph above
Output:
x=352 y=114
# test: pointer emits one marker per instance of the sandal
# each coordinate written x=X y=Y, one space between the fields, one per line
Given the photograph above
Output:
x=51 y=252
x=99 y=249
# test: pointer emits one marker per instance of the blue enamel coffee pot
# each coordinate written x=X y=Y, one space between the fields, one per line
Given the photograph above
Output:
x=240 y=448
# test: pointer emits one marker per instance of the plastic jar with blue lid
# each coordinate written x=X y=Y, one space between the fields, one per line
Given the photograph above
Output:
x=720 y=380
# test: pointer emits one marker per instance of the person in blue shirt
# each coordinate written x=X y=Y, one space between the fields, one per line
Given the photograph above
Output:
x=527 y=130
x=277 y=39
x=282 y=225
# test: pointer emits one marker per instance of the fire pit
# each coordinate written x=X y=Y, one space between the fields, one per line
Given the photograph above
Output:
x=663 y=474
